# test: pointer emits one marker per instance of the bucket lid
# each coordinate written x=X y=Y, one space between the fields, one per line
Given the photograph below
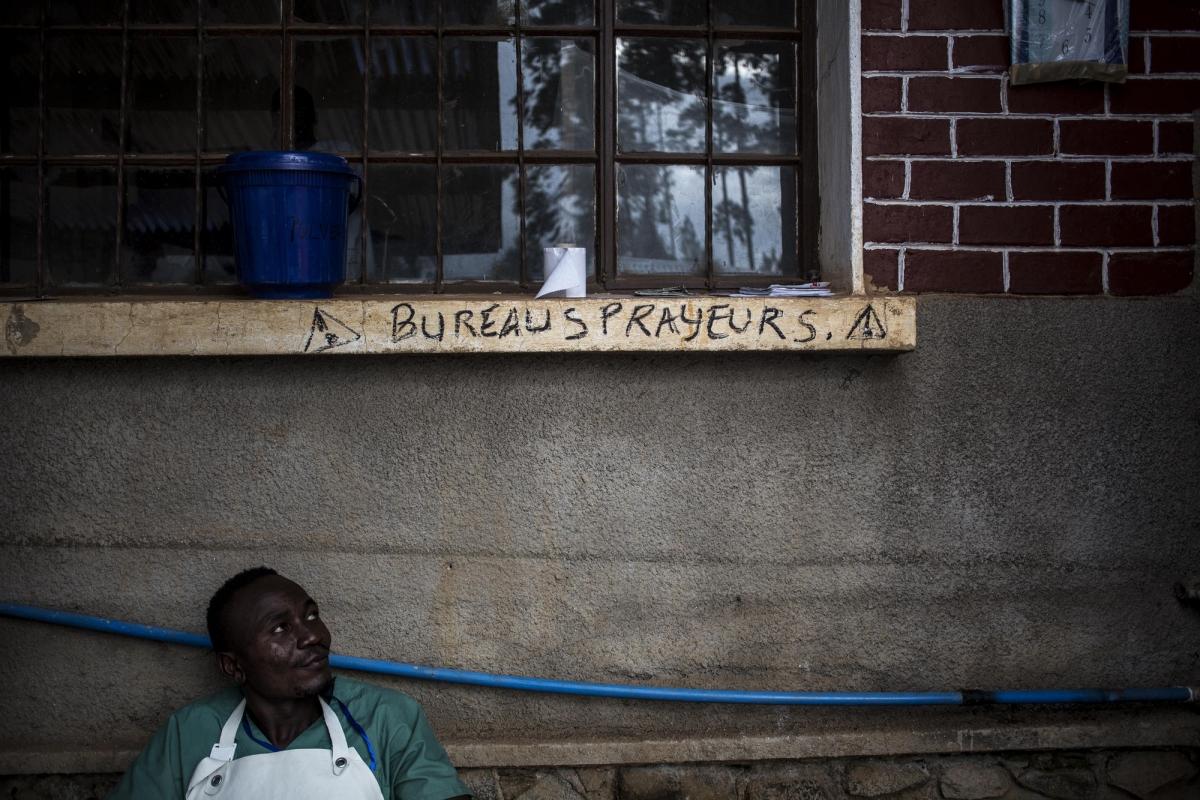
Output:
x=309 y=161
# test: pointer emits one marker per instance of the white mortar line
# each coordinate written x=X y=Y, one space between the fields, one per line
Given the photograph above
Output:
x=1104 y=272
x=976 y=201
x=1028 y=248
x=1155 y=138
x=1154 y=225
x=1146 y=50
x=904 y=94
x=900 y=270
x=904 y=16
x=953 y=137
x=1097 y=117
x=907 y=194
x=1008 y=190
x=1108 y=180
x=1174 y=158
x=1004 y=268
x=950 y=54
x=956 y=214
x=1057 y=225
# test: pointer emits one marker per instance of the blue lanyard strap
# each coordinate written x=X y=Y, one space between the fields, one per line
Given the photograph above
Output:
x=359 y=729
x=345 y=712
x=250 y=733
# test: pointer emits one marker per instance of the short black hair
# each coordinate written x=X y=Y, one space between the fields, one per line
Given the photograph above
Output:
x=216 y=606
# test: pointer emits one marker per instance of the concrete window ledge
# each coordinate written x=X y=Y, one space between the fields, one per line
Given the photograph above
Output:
x=145 y=326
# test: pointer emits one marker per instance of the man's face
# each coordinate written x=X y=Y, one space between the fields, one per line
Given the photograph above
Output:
x=279 y=645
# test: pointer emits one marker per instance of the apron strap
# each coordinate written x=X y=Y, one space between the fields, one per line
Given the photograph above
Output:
x=223 y=749
x=340 y=752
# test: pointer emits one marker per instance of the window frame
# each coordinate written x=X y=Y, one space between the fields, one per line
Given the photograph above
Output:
x=604 y=158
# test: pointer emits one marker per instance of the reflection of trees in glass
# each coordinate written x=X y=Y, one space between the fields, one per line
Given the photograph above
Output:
x=650 y=224
x=560 y=208
x=660 y=95
x=751 y=113
x=661 y=107
x=558 y=81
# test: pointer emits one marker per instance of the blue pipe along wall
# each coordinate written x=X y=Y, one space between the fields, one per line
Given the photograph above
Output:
x=1171 y=694
x=678 y=695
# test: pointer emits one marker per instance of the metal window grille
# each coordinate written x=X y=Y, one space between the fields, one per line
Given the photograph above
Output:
x=116 y=112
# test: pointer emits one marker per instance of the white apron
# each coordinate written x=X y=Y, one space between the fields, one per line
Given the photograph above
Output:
x=287 y=775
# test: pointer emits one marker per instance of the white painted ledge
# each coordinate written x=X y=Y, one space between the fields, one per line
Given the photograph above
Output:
x=446 y=324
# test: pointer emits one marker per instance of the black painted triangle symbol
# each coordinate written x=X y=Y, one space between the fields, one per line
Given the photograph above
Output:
x=328 y=332
x=867 y=325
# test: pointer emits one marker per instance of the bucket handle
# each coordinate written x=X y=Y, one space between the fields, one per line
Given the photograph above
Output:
x=356 y=197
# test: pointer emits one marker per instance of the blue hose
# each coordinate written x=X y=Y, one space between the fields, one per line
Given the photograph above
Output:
x=546 y=685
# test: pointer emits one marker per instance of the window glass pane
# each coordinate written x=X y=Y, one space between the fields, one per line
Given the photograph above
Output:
x=83 y=94
x=403 y=91
x=81 y=224
x=560 y=208
x=660 y=95
x=163 y=12
x=559 y=75
x=162 y=95
x=403 y=12
x=18 y=225
x=157 y=245
x=216 y=236
x=482 y=242
x=402 y=215
x=660 y=220
x=86 y=12
x=241 y=12
x=20 y=13
x=19 y=76
x=328 y=95
x=665 y=12
x=558 y=12
x=346 y=12
x=479 y=12
x=755 y=97
x=760 y=13
x=480 y=86
x=241 y=93
x=754 y=220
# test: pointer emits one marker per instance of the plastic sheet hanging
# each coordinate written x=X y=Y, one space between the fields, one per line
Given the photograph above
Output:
x=1058 y=40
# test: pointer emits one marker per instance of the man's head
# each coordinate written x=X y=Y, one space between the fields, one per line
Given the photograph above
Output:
x=268 y=636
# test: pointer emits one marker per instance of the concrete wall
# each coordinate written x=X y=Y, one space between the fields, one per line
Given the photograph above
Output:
x=1007 y=506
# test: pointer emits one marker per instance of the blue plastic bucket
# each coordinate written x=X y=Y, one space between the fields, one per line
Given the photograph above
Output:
x=289 y=213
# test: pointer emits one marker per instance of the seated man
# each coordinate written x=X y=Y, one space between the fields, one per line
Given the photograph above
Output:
x=288 y=730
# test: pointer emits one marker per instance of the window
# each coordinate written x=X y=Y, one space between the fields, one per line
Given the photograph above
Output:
x=675 y=139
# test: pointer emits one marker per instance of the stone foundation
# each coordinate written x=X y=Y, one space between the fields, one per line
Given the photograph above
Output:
x=1093 y=775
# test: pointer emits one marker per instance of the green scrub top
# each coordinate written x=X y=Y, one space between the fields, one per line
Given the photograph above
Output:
x=411 y=765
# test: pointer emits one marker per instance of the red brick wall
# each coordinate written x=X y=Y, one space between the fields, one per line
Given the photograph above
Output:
x=973 y=185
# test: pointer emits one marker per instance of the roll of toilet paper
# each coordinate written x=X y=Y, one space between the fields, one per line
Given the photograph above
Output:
x=565 y=270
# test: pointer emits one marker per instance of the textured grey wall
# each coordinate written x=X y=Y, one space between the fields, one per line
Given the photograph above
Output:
x=1007 y=506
